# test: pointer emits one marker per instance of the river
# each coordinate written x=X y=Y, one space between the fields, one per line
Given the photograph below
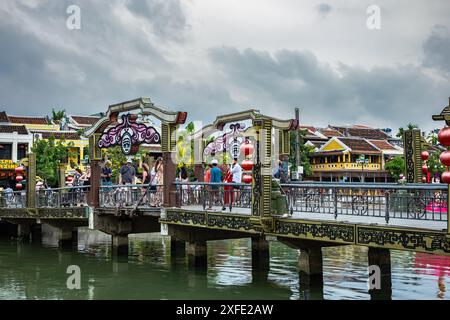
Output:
x=38 y=271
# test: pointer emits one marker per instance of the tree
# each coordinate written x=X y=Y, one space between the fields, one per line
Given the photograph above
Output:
x=410 y=126
x=395 y=167
x=50 y=154
x=305 y=152
x=118 y=159
x=57 y=116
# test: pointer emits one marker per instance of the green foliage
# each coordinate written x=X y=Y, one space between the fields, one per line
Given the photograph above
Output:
x=396 y=167
x=118 y=159
x=305 y=152
x=434 y=165
x=50 y=154
x=410 y=126
x=57 y=116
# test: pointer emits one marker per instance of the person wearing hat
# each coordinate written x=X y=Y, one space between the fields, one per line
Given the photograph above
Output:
x=127 y=173
x=215 y=177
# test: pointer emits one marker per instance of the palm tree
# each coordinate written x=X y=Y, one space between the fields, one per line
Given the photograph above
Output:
x=410 y=126
x=57 y=116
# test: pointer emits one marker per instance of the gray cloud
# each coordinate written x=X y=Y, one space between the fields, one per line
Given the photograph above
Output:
x=437 y=49
x=323 y=9
x=128 y=49
x=382 y=96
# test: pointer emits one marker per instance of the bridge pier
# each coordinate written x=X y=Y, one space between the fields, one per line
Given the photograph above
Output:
x=382 y=258
x=197 y=254
x=36 y=232
x=260 y=253
x=67 y=237
x=120 y=245
x=177 y=247
x=24 y=231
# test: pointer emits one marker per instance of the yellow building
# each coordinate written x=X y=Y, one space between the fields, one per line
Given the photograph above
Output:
x=349 y=160
x=33 y=123
x=79 y=148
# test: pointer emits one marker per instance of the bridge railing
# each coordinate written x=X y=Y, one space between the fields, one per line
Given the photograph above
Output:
x=206 y=196
x=62 y=197
x=411 y=201
x=13 y=199
x=131 y=195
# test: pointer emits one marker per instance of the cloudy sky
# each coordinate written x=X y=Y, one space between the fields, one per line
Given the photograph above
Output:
x=214 y=57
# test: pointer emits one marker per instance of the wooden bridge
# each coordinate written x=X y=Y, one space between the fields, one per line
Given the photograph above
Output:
x=304 y=215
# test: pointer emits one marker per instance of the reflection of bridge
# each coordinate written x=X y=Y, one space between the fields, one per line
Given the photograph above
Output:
x=306 y=216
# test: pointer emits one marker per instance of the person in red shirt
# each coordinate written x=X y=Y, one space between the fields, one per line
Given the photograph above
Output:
x=228 y=190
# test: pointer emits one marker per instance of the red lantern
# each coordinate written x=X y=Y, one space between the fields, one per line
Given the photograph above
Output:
x=247 y=149
x=19 y=186
x=444 y=136
x=424 y=155
x=19 y=178
x=445 y=158
x=18 y=170
x=445 y=178
x=246 y=178
x=247 y=165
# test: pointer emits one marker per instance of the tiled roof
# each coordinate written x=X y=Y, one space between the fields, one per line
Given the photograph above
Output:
x=3 y=117
x=366 y=133
x=72 y=135
x=28 y=120
x=85 y=120
x=11 y=129
x=330 y=133
x=359 y=145
x=382 y=144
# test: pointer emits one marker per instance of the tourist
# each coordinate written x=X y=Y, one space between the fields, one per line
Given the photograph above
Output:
x=106 y=173
x=208 y=173
x=149 y=182
x=184 y=179
x=127 y=173
x=157 y=173
x=227 y=190
x=216 y=177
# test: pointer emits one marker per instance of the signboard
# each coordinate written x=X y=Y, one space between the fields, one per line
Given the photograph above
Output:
x=129 y=135
x=7 y=165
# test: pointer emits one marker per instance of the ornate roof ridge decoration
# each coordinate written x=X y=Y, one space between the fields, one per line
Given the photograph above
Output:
x=250 y=114
x=444 y=115
x=146 y=107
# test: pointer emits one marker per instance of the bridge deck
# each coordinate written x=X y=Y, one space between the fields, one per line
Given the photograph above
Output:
x=354 y=219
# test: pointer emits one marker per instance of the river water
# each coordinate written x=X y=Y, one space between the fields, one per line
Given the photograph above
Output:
x=38 y=271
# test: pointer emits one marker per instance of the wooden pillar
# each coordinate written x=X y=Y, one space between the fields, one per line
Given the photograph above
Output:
x=31 y=181
x=168 y=144
x=94 y=192
x=62 y=175
x=381 y=258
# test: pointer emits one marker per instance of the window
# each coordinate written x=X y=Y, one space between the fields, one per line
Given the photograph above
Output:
x=22 y=149
x=6 y=151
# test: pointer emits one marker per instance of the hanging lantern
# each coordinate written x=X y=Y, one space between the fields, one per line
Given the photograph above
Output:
x=247 y=148
x=425 y=155
x=424 y=169
x=247 y=165
x=19 y=170
x=444 y=136
x=246 y=178
x=19 y=186
x=19 y=178
x=445 y=177
x=445 y=158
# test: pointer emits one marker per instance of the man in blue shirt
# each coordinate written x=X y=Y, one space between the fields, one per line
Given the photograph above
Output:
x=216 y=177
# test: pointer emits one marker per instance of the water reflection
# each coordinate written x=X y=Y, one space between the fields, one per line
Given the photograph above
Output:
x=38 y=271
